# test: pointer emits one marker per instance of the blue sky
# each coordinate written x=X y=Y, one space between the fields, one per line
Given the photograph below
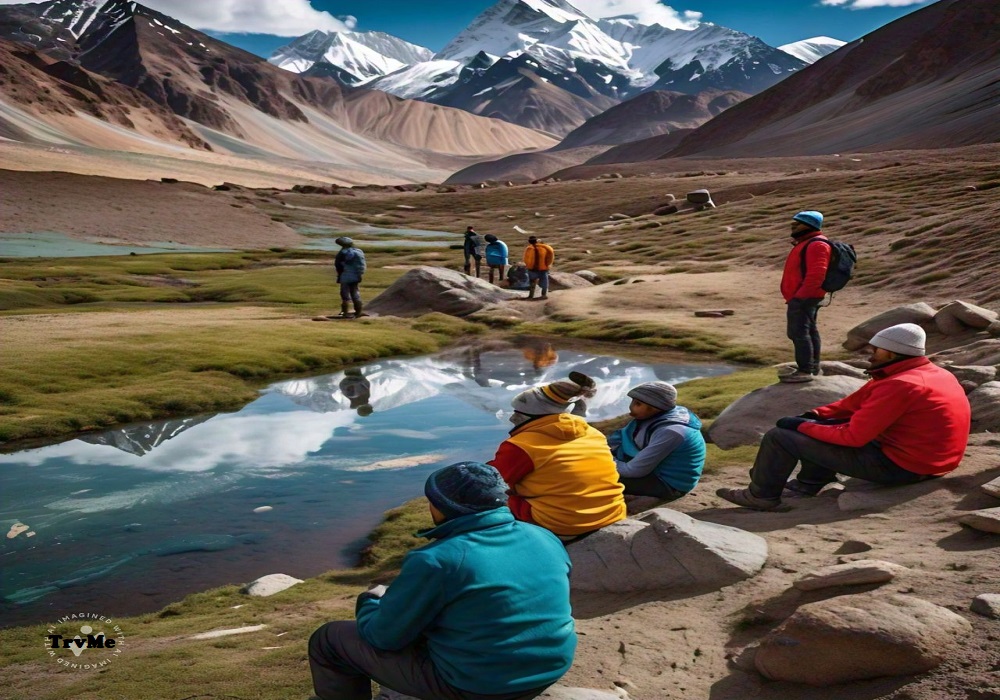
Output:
x=432 y=23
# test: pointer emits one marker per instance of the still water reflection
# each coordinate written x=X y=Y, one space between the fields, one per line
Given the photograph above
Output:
x=128 y=520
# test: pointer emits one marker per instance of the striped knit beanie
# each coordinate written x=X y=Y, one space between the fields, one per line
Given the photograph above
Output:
x=557 y=397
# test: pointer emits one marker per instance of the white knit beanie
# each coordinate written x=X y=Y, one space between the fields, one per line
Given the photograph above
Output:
x=903 y=339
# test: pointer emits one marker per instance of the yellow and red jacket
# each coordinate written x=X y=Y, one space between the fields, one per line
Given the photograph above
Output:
x=561 y=475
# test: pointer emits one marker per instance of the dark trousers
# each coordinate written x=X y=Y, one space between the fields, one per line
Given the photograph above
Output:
x=781 y=450
x=803 y=331
x=349 y=292
x=343 y=666
x=649 y=485
x=539 y=278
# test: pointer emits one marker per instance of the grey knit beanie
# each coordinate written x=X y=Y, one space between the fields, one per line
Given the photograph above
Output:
x=903 y=339
x=657 y=394
x=557 y=397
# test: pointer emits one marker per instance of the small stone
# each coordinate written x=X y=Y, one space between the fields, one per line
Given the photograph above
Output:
x=984 y=520
x=269 y=585
x=987 y=604
x=854 y=547
x=665 y=210
x=16 y=529
x=992 y=487
x=263 y=509
x=228 y=633
x=855 y=573
x=709 y=314
x=619 y=217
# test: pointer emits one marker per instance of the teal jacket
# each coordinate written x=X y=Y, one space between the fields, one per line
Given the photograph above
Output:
x=490 y=596
x=669 y=445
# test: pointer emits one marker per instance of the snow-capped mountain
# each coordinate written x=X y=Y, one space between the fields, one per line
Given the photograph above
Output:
x=529 y=51
x=353 y=57
x=811 y=50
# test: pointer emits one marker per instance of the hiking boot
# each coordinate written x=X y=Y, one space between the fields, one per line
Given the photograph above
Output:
x=796 y=377
x=796 y=489
x=745 y=499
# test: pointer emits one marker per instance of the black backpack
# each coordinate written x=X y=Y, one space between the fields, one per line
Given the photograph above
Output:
x=843 y=258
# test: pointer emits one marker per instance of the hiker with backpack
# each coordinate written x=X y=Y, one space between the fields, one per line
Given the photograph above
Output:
x=496 y=257
x=661 y=451
x=538 y=257
x=816 y=265
x=350 y=265
x=473 y=247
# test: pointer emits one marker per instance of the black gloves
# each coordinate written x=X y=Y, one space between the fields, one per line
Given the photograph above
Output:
x=791 y=422
x=812 y=415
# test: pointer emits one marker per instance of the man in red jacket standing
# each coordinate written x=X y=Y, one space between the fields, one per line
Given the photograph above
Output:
x=909 y=423
x=802 y=288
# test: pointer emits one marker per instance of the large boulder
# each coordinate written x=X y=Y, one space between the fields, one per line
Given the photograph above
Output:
x=856 y=637
x=424 y=290
x=980 y=352
x=745 y=421
x=986 y=520
x=985 y=403
x=959 y=316
x=917 y=313
x=567 y=280
x=663 y=549
x=974 y=374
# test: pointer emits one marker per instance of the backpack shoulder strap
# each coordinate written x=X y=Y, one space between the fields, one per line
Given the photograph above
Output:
x=802 y=257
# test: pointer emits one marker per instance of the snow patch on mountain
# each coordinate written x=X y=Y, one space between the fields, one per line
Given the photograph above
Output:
x=811 y=50
x=417 y=81
x=363 y=55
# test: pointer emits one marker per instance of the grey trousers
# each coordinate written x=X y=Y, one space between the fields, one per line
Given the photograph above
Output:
x=343 y=666
x=781 y=450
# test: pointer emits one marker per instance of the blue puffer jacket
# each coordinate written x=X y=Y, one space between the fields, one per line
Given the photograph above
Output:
x=490 y=596
x=676 y=456
x=350 y=264
x=496 y=253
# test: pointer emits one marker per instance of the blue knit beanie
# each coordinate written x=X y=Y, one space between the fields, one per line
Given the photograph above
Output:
x=813 y=219
x=464 y=488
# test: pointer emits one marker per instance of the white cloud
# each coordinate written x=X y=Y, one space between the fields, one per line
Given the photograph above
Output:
x=647 y=11
x=869 y=4
x=280 y=17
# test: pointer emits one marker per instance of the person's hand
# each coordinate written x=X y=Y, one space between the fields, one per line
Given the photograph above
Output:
x=377 y=591
x=790 y=422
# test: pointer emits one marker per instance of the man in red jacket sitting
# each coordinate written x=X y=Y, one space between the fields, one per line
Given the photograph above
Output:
x=802 y=288
x=909 y=423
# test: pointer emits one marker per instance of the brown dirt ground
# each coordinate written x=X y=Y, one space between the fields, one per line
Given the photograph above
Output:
x=922 y=234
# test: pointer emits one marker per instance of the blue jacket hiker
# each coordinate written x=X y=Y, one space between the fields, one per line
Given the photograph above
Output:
x=350 y=265
x=480 y=613
x=661 y=452
x=496 y=256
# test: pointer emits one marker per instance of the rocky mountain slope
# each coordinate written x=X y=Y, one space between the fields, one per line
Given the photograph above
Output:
x=229 y=101
x=927 y=80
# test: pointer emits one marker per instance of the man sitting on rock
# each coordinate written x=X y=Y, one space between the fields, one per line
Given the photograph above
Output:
x=909 y=423
x=480 y=613
x=559 y=468
x=661 y=451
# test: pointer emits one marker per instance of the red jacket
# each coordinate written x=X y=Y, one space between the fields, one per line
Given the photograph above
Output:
x=917 y=411
x=793 y=285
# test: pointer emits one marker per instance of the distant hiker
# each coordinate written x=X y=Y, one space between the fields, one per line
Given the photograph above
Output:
x=560 y=471
x=358 y=390
x=473 y=247
x=802 y=288
x=540 y=354
x=538 y=257
x=482 y=612
x=496 y=257
x=661 y=452
x=517 y=277
x=909 y=423
x=351 y=266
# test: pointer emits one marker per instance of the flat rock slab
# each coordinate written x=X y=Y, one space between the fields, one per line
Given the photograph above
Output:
x=270 y=584
x=745 y=421
x=980 y=352
x=985 y=404
x=865 y=495
x=228 y=633
x=987 y=604
x=917 y=313
x=852 y=638
x=558 y=692
x=992 y=487
x=984 y=520
x=855 y=573
x=663 y=549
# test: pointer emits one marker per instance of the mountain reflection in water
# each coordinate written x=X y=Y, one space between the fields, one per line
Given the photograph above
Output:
x=133 y=518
